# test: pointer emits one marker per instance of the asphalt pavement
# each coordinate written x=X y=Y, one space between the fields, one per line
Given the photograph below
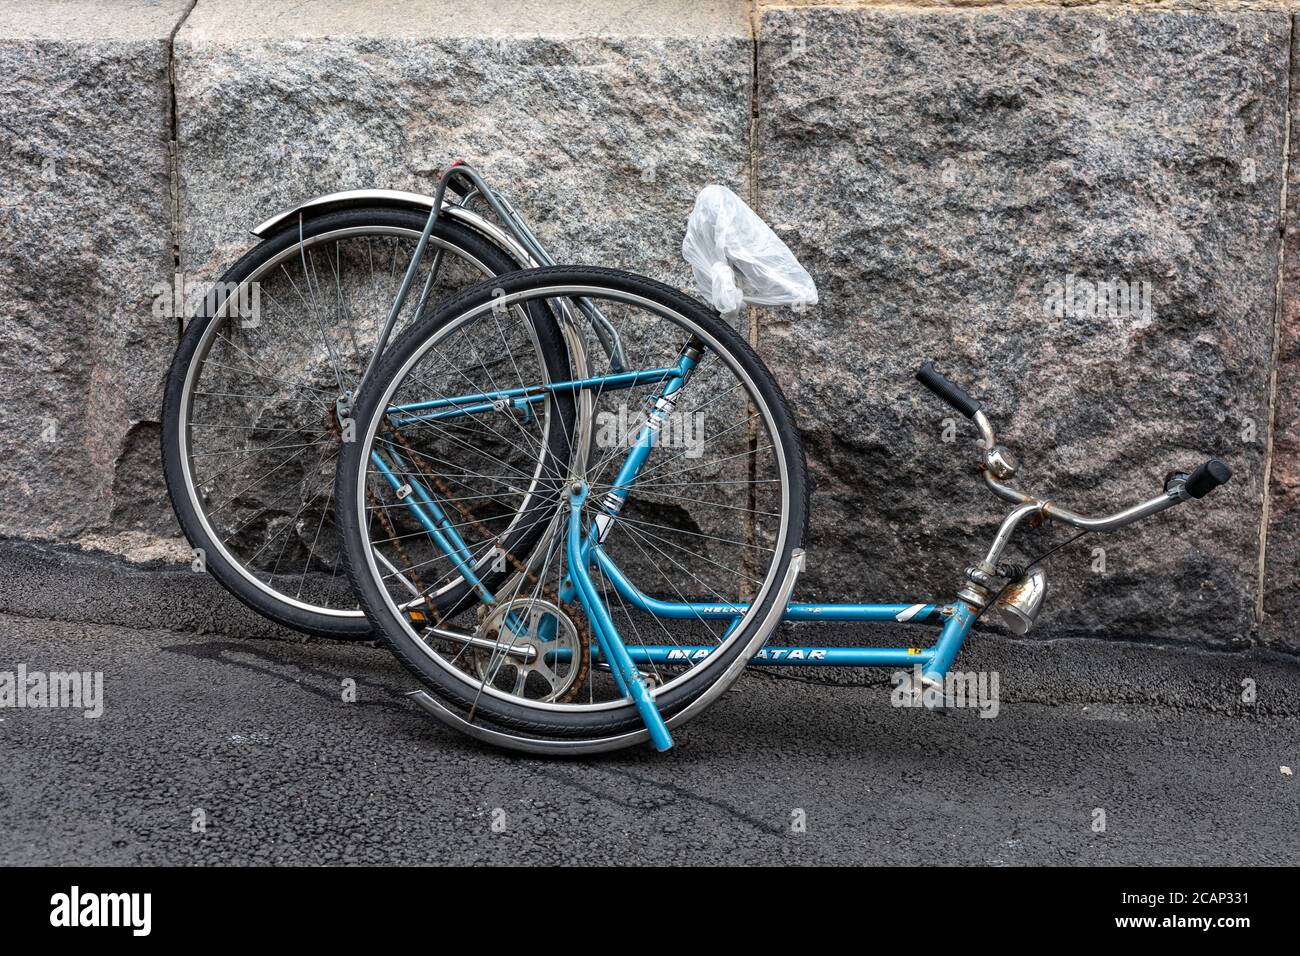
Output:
x=223 y=740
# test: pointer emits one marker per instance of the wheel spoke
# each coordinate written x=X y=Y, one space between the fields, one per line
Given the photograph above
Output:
x=705 y=520
x=262 y=435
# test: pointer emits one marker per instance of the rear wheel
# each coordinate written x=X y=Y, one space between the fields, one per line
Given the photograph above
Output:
x=462 y=406
x=251 y=430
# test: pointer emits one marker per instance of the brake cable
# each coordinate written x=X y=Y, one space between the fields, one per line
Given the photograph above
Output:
x=1016 y=572
x=1051 y=551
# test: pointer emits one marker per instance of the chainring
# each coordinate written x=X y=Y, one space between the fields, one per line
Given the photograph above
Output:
x=571 y=634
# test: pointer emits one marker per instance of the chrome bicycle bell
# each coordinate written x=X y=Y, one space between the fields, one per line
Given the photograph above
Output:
x=1020 y=603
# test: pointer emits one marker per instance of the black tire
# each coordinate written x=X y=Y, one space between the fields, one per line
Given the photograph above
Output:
x=219 y=562
x=493 y=711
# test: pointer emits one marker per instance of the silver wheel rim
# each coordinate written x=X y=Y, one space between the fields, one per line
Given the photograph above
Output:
x=215 y=325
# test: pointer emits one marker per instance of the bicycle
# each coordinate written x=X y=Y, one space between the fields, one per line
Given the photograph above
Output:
x=575 y=554
x=258 y=395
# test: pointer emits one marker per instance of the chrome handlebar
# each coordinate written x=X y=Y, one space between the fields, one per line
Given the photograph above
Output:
x=999 y=467
x=997 y=464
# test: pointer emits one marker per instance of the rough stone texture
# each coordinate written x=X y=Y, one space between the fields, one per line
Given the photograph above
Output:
x=1282 y=552
x=84 y=203
x=599 y=126
x=935 y=171
x=1105 y=5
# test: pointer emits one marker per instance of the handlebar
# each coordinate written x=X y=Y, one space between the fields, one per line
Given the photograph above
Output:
x=1206 y=478
x=997 y=467
x=950 y=392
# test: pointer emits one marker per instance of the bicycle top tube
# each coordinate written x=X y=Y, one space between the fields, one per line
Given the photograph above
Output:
x=522 y=396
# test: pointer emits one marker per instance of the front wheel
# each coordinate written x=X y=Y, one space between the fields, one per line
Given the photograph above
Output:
x=696 y=500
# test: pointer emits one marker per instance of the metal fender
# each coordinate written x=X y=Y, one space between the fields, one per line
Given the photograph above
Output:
x=399 y=200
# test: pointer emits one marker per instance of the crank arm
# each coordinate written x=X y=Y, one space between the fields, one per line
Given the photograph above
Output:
x=523 y=652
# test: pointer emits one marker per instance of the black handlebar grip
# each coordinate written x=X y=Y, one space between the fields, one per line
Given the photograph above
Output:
x=954 y=395
x=1206 y=478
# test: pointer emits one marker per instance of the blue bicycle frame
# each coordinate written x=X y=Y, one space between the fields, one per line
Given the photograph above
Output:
x=583 y=550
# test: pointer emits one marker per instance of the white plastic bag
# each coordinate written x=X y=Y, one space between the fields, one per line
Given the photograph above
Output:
x=737 y=259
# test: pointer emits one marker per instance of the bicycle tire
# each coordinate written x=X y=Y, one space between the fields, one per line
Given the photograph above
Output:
x=395 y=633
x=225 y=566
